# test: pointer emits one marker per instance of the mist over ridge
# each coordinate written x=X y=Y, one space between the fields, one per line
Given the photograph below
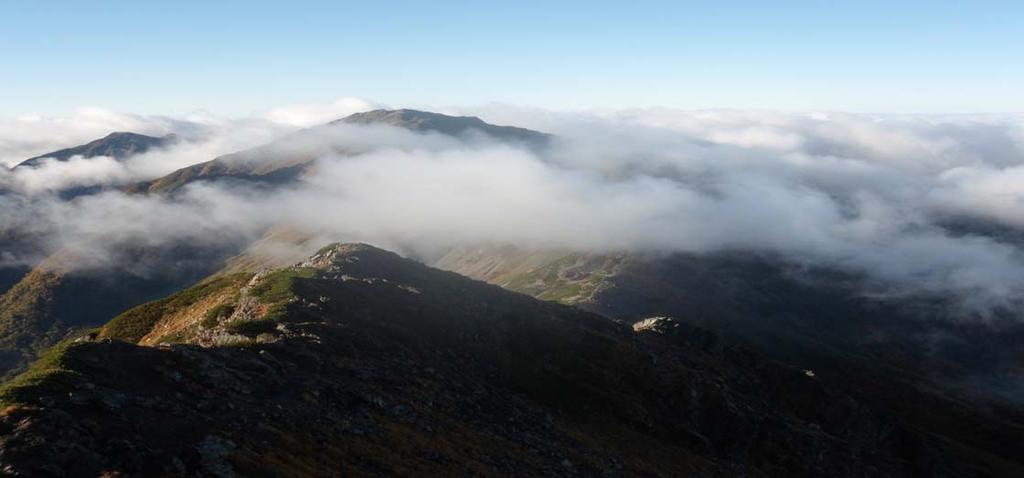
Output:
x=915 y=203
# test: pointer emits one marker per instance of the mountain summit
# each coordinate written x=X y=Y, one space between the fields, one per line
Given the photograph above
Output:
x=288 y=158
x=118 y=145
x=425 y=121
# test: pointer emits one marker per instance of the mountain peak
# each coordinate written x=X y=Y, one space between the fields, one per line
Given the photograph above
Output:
x=127 y=135
x=137 y=137
x=118 y=145
x=337 y=254
x=409 y=118
x=405 y=114
x=425 y=121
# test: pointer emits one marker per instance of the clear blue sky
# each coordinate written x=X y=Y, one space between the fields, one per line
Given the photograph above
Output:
x=233 y=58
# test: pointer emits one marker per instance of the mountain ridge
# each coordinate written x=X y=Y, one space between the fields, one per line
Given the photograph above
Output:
x=360 y=360
x=424 y=121
x=787 y=312
x=266 y=165
x=33 y=297
x=118 y=145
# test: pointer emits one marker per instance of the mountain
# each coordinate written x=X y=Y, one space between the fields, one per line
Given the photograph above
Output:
x=290 y=157
x=10 y=275
x=359 y=362
x=900 y=385
x=13 y=244
x=118 y=145
x=814 y=317
x=39 y=307
x=57 y=297
x=424 y=121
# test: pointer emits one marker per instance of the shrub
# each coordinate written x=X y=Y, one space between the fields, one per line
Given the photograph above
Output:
x=134 y=324
x=215 y=314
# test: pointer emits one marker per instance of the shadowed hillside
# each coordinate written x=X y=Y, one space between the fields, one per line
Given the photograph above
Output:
x=359 y=361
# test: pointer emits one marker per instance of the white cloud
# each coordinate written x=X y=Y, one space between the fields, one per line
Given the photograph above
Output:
x=868 y=194
x=31 y=135
x=311 y=114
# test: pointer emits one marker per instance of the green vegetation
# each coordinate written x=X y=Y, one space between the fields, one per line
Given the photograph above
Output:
x=253 y=327
x=49 y=372
x=276 y=291
x=216 y=313
x=568 y=280
x=177 y=336
x=28 y=319
x=25 y=307
x=276 y=287
x=134 y=324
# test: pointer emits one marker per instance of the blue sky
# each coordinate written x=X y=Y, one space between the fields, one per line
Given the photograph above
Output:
x=235 y=58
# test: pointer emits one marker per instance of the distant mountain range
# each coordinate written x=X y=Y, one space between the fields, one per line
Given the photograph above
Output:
x=281 y=161
x=118 y=145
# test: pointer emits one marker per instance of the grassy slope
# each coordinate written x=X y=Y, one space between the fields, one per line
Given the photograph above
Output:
x=135 y=323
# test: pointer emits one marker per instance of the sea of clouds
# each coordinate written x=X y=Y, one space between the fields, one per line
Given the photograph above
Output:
x=929 y=204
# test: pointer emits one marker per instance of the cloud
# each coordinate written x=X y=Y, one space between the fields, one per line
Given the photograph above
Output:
x=878 y=196
x=31 y=135
x=306 y=115
x=204 y=137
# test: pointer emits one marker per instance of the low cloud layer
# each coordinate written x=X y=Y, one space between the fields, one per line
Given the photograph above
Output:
x=312 y=114
x=917 y=204
x=203 y=137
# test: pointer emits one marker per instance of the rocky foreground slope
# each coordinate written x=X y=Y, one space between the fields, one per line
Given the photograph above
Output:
x=358 y=362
